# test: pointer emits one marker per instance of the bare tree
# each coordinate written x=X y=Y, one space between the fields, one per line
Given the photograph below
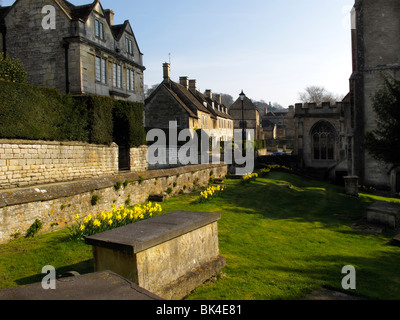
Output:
x=318 y=95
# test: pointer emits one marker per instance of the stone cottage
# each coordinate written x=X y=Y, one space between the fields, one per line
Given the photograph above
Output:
x=250 y=116
x=376 y=47
x=190 y=109
x=85 y=52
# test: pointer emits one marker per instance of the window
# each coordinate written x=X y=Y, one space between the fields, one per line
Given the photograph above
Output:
x=119 y=76
x=104 y=71
x=323 y=141
x=98 y=69
x=99 y=26
x=132 y=80
x=128 y=79
x=114 y=75
x=129 y=46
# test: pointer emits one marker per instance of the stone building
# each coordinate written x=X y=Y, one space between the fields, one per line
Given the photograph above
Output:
x=279 y=128
x=183 y=103
x=320 y=143
x=376 y=52
x=250 y=116
x=86 y=53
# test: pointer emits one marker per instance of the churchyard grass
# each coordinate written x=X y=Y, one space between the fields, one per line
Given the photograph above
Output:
x=282 y=236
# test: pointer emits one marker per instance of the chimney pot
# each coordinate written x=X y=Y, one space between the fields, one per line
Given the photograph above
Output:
x=167 y=71
x=192 y=85
x=184 y=81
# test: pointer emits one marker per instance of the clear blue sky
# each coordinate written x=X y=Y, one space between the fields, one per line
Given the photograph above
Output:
x=272 y=49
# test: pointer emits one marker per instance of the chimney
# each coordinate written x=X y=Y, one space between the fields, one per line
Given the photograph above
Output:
x=110 y=16
x=192 y=85
x=209 y=94
x=167 y=71
x=218 y=98
x=184 y=81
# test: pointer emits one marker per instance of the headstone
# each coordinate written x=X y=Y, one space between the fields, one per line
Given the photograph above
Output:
x=351 y=185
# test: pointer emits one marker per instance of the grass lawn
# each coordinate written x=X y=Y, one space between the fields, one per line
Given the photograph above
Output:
x=282 y=237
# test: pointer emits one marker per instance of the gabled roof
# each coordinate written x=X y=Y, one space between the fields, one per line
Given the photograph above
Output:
x=119 y=29
x=183 y=96
x=214 y=111
x=188 y=98
x=166 y=87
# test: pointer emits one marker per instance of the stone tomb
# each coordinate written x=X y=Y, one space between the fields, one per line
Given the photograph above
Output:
x=169 y=255
x=384 y=213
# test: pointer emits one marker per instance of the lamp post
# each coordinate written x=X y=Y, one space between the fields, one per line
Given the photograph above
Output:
x=242 y=95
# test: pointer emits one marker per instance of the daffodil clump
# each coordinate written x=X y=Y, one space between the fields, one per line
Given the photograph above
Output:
x=278 y=167
x=115 y=218
x=264 y=171
x=210 y=193
x=249 y=177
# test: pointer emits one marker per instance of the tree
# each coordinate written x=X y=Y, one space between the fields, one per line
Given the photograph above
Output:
x=318 y=95
x=383 y=143
x=12 y=70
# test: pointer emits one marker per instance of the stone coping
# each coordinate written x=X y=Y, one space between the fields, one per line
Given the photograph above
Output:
x=95 y=286
x=53 y=143
x=53 y=191
x=137 y=237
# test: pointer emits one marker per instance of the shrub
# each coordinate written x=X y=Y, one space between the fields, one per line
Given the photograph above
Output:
x=34 y=229
x=36 y=113
x=12 y=70
x=95 y=199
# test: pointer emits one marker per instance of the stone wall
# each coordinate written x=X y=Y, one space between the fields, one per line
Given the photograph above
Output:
x=56 y=204
x=27 y=163
x=138 y=159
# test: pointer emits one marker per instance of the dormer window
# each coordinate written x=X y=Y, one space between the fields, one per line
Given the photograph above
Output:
x=129 y=46
x=99 y=26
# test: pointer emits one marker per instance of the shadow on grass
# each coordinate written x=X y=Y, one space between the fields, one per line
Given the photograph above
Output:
x=285 y=196
x=376 y=277
x=83 y=267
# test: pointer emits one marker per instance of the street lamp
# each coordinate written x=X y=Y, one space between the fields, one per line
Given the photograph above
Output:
x=242 y=95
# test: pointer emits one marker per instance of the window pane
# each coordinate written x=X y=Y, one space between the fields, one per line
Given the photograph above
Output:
x=323 y=147
x=98 y=69
x=128 y=79
x=127 y=44
x=316 y=147
x=130 y=47
x=104 y=70
x=97 y=28
x=119 y=77
x=114 y=75
x=132 y=80
x=101 y=31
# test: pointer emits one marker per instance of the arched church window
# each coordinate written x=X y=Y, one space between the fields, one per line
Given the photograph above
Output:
x=323 y=141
